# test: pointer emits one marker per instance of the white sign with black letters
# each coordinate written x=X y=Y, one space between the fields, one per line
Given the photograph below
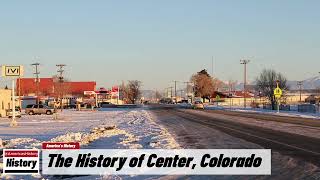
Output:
x=12 y=71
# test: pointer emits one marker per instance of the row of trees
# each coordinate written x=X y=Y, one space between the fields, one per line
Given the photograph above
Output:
x=265 y=83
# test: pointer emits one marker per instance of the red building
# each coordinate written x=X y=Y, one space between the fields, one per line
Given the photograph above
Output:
x=77 y=88
x=50 y=87
x=27 y=86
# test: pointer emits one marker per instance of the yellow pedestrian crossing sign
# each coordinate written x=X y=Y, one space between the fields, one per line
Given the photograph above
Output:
x=217 y=97
x=277 y=92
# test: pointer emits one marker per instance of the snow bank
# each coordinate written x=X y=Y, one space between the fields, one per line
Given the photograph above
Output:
x=279 y=126
x=293 y=113
x=119 y=128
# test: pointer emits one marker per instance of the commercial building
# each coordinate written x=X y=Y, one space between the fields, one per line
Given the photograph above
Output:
x=53 y=88
x=5 y=101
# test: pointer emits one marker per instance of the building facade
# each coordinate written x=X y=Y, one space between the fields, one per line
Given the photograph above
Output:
x=5 y=101
x=51 y=87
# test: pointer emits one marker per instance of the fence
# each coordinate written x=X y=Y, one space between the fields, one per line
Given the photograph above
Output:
x=310 y=108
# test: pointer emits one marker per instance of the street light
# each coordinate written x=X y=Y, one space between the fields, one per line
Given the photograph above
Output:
x=245 y=62
x=299 y=84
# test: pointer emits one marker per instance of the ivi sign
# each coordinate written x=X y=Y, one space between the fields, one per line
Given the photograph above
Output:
x=12 y=71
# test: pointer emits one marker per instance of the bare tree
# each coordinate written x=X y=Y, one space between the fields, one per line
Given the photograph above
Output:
x=266 y=82
x=158 y=95
x=204 y=84
x=61 y=88
x=132 y=90
x=124 y=92
x=231 y=86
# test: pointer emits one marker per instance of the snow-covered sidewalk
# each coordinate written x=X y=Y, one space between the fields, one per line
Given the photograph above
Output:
x=71 y=126
x=266 y=111
x=105 y=129
x=279 y=126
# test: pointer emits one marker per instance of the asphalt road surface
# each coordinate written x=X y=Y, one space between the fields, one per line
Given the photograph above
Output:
x=193 y=130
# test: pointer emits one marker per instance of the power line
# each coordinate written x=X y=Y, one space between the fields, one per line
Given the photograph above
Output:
x=36 y=73
x=61 y=79
x=60 y=71
x=170 y=91
x=175 y=89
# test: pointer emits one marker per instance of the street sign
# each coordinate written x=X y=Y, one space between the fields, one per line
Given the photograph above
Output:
x=217 y=98
x=12 y=71
x=89 y=92
x=277 y=92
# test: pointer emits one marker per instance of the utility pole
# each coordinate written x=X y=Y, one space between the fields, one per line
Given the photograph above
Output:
x=175 y=90
x=166 y=93
x=192 y=90
x=36 y=73
x=171 y=92
x=212 y=61
x=300 y=88
x=181 y=92
x=19 y=91
x=245 y=62
x=156 y=96
x=60 y=77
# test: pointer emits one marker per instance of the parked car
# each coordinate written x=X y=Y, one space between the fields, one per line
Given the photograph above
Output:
x=39 y=109
x=198 y=105
x=104 y=104
x=71 y=106
x=17 y=113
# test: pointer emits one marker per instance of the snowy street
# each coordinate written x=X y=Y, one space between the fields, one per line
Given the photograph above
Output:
x=295 y=142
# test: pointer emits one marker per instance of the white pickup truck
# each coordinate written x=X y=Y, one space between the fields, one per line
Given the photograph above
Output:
x=17 y=113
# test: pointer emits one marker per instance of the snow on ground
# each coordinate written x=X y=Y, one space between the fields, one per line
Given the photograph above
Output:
x=279 y=126
x=293 y=113
x=105 y=129
x=137 y=125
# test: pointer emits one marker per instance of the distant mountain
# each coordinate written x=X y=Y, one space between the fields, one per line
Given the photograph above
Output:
x=311 y=83
x=239 y=86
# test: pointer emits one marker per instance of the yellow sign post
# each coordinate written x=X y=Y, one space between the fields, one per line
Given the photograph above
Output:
x=217 y=99
x=277 y=94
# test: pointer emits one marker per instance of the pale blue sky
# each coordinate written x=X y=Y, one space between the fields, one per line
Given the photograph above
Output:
x=160 y=41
